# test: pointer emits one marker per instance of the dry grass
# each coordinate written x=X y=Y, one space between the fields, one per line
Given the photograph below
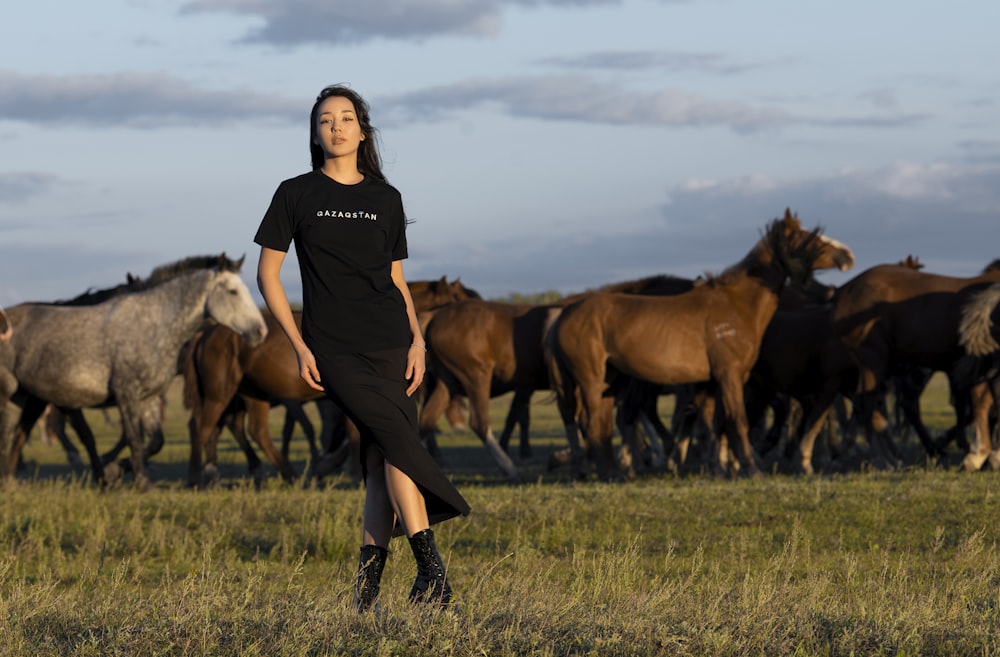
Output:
x=901 y=563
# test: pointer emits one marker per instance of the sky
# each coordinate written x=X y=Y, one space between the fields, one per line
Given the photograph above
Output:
x=539 y=144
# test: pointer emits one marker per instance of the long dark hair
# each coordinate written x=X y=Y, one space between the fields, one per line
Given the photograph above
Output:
x=369 y=159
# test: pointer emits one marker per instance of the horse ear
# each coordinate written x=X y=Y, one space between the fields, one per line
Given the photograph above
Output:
x=238 y=265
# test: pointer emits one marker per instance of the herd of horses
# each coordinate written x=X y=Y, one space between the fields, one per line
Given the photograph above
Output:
x=754 y=342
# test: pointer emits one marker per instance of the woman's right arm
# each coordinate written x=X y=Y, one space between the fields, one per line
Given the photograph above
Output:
x=269 y=284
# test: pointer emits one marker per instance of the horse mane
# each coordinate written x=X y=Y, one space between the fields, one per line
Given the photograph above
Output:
x=639 y=284
x=913 y=262
x=976 y=328
x=774 y=240
x=172 y=270
x=993 y=266
x=161 y=274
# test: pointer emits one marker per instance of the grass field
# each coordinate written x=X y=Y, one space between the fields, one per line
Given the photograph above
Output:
x=865 y=563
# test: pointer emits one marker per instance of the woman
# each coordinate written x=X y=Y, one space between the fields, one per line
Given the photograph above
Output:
x=360 y=341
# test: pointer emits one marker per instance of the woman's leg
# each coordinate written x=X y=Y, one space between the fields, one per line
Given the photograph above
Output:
x=376 y=532
x=407 y=500
x=431 y=584
x=378 y=515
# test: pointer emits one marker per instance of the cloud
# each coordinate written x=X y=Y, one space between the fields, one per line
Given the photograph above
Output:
x=131 y=100
x=17 y=187
x=296 y=22
x=948 y=215
x=578 y=98
x=669 y=61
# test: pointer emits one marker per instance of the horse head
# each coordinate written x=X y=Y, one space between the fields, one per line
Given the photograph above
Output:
x=227 y=264
x=459 y=291
x=802 y=251
x=229 y=303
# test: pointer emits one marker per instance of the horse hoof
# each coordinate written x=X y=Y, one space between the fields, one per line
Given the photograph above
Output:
x=973 y=462
x=112 y=473
x=210 y=476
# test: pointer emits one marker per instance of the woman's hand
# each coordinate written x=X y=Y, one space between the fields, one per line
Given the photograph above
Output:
x=416 y=366
x=307 y=368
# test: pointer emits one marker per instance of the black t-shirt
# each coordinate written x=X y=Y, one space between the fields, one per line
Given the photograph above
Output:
x=346 y=238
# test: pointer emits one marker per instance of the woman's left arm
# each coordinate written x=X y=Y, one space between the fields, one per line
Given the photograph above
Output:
x=416 y=363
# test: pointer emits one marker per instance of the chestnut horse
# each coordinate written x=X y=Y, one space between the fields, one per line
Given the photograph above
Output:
x=221 y=365
x=487 y=348
x=892 y=314
x=710 y=334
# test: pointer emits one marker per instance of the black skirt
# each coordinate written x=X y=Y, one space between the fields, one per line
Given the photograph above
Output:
x=370 y=389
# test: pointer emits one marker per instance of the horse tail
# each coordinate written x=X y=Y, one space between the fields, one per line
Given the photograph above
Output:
x=187 y=367
x=976 y=328
x=549 y=351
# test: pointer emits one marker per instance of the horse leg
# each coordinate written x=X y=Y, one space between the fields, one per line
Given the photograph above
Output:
x=815 y=412
x=77 y=420
x=30 y=412
x=288 y=428
x=10 y=414
x=235 y=420
x=518 y=416
x=456 y=413
x=626 y=418
x=131 y=415
x=54 y=426
x=731 y=394
x=524 y=422
x=598 y=422
x=298 y=414
x=659 y=435
x=477 y=387
x=258 y=412
x=430 y=413
x=981 y=448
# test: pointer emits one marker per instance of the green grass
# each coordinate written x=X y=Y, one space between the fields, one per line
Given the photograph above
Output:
x=865 y=563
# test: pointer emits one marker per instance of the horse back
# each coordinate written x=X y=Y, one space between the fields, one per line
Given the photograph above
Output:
x=915 y=312
x=501 y=338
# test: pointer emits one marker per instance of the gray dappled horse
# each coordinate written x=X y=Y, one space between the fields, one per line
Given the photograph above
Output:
x=120 y=352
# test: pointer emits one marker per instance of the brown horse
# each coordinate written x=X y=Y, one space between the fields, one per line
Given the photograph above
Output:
x=221 y=366
x=487 y=348
x=978 y=337
x=710 y=334
x=892 y=314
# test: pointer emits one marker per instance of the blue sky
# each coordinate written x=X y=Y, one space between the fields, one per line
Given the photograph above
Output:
x=539 y=145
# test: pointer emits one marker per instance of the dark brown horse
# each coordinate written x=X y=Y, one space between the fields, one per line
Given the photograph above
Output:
x=710 y=334
x=802 y=359
x=222 y=366
x=892 y=314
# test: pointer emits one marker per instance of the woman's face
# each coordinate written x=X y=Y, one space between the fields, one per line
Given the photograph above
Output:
x=338 y=131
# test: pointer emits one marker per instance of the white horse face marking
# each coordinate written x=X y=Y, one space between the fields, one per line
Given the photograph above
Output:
x=230 y=304
x=844 y=256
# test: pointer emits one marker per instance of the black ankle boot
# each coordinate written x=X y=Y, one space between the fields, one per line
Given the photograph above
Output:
x=431 y=584
x=369 y=576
